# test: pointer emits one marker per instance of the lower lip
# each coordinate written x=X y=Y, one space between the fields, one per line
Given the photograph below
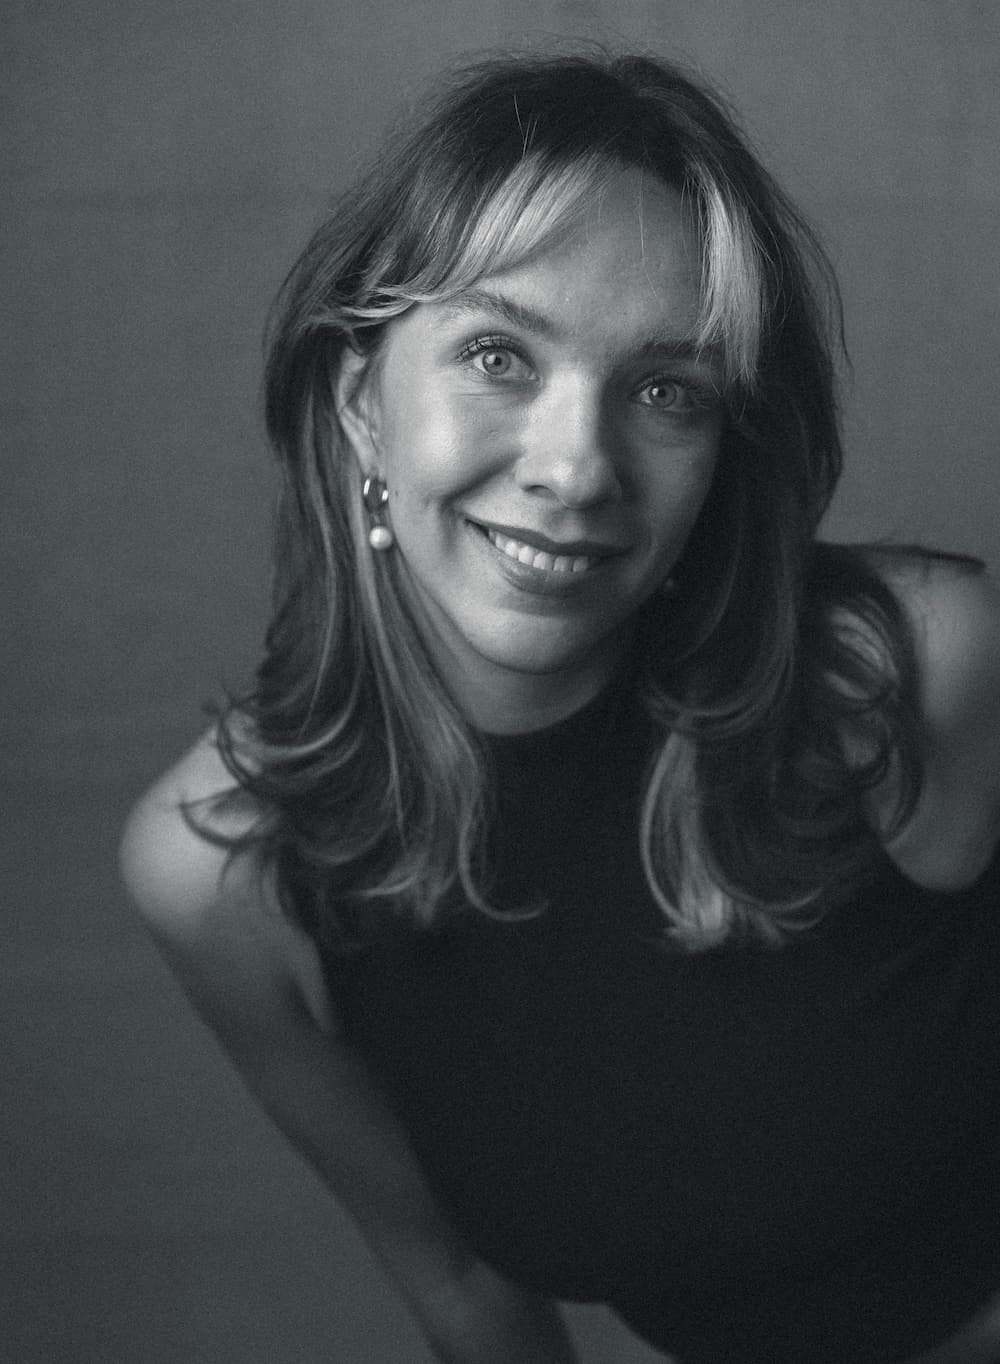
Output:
x=542 y=582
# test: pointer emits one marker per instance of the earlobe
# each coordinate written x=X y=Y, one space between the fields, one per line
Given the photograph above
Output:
x=355 y=408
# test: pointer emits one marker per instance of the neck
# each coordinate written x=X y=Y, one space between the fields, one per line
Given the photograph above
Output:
x=503 y=700
x=496 y=697
x=530 y=701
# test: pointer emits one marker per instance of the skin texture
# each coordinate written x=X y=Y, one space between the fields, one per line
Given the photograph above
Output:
x=561 y=400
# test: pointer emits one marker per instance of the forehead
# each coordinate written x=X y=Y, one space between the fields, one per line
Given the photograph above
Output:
x=625 y=263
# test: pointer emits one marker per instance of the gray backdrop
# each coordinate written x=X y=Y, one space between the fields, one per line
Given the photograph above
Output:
x=163 y=163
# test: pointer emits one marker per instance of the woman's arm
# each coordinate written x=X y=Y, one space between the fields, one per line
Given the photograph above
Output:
x=256 y=981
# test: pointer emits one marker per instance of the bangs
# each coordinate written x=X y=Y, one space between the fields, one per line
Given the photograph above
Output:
x=532 y=209
x=534 y=205
x=538 y=203
x=733 y=281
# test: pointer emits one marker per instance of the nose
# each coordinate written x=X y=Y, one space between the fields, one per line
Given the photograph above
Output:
x=568 y=450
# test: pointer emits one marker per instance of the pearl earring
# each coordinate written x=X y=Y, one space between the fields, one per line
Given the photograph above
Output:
x=375 y=495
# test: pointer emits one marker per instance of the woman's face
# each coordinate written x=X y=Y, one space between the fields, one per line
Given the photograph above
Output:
x=548 y=438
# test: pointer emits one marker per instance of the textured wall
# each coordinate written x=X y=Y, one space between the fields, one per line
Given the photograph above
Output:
x=162 y=164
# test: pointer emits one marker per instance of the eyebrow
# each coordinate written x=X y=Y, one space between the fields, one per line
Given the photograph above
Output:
x=673 y=345
x=517 y=314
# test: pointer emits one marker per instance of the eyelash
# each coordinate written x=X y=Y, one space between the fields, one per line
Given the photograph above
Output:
x=699 y=396
x=484 y=344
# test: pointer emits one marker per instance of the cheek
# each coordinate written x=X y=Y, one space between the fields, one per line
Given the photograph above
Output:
x=681 y=495
x=435 y=450
x=703 y=484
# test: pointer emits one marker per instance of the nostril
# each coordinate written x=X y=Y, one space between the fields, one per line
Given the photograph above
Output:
x=580 y=482
x=569 y=450
x=576 y=479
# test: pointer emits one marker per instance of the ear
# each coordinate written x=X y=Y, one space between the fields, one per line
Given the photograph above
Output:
x=356 y=407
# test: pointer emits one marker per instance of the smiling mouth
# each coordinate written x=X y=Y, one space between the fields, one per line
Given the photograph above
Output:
x=540 y=558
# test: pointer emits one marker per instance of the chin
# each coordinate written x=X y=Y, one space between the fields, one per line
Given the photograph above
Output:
x=546 y=657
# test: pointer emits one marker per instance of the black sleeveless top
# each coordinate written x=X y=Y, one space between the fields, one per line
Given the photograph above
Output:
x=752 y=1154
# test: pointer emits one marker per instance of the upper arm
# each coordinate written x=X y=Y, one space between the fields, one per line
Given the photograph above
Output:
x=954 y=617
x=216 y=917
x=257 y=981
x=172 y=873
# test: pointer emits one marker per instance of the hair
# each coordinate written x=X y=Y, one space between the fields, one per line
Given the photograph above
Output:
x=373 y=788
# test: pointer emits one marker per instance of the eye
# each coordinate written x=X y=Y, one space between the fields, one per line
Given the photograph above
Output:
x=675 y=395
x=495 y=362
x=496 y=357
x=666 y=394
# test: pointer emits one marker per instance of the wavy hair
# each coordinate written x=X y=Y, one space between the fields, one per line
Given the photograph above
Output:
x=372 y=786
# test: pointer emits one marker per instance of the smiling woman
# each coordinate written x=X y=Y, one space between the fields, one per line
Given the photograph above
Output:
x=543 y=480
x=598 y=886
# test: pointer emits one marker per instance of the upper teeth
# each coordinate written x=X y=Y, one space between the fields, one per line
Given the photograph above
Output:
x=540 y=558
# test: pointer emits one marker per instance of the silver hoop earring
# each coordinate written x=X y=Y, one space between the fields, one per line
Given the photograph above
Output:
x=375 y=496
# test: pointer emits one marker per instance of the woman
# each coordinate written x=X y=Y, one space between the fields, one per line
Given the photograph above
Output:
x=597 y=887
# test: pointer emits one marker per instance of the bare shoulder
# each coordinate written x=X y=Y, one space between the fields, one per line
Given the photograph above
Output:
x=176 y=875
x=953 y=609
x=215 y=915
